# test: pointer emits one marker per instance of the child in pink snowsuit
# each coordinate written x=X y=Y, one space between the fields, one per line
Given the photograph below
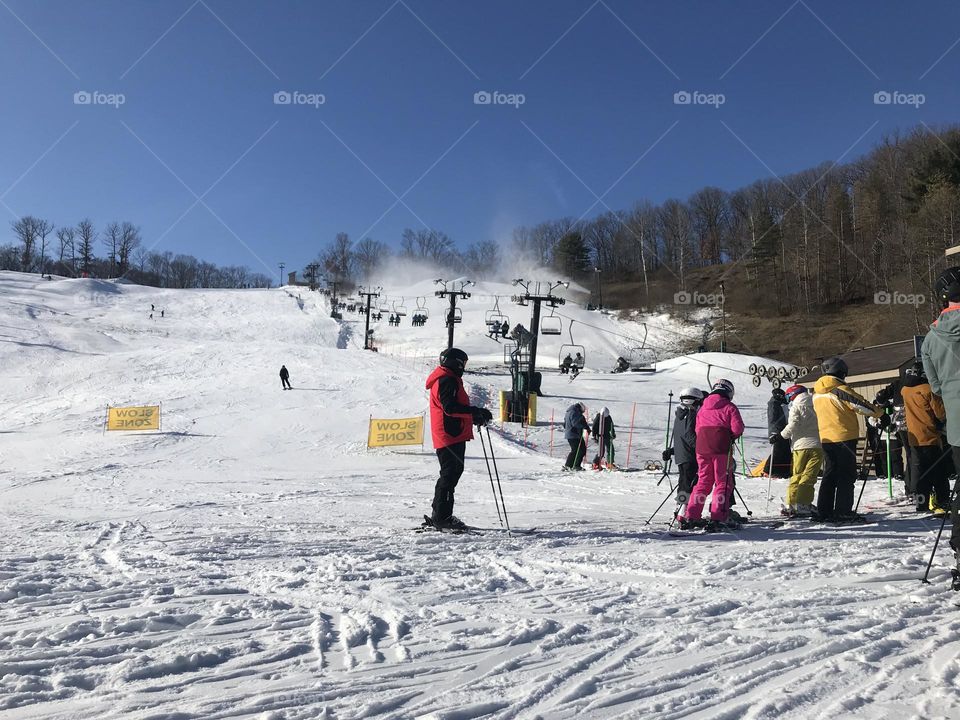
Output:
x=718 y=426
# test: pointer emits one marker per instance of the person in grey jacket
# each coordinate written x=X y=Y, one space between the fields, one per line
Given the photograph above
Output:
x=574 y=425
x=941 y=361
x=684 y=450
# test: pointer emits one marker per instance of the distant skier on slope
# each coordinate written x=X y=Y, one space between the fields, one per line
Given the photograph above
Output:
x=684 y=450
x=452 y=418
x=285 y=378
x=603 y=432
x=941 y=361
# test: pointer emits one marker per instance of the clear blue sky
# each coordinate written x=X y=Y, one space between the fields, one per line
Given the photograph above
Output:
x=278 y=181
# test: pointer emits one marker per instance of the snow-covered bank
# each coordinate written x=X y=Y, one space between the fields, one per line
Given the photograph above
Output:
x=255 y=560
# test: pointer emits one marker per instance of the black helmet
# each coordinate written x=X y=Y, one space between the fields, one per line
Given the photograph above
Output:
x=916 y=371
x=779 y=393
x=948 y=285
x=454 y=359
x=835 y=366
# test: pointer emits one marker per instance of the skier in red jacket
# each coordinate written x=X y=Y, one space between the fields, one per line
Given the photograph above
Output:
x=452 y=418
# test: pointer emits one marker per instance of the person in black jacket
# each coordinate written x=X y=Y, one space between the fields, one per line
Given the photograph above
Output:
x=684 y=450
x=574 y=425
x=603 y=433
x=285 y=378
x=780 y=461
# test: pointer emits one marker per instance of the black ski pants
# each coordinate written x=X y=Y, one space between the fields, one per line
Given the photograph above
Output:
x=686 y=481
x=286 y=384
x=955 y=507
x=578 y=449
x=839 y=479
x=931 y=469
x=451 y=468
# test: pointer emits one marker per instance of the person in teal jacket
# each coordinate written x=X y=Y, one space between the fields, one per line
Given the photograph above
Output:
x=941 y=361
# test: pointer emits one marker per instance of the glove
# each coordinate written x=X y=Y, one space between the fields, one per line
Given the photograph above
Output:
x=773 y=438
x=481 y=416
x=884 y=422
x=667 y=454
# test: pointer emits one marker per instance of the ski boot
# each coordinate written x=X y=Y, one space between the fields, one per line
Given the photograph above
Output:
x=723 y=525
x=685 y=524
x=955 y=574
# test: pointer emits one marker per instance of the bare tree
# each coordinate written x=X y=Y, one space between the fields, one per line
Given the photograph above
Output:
x=129 y=241
x=26 y=231
x=482 y=258
x=112 y=235
x=86 y=237
x=427 y=244
x=338 y=258
x=369 y=254
x=66 y=236
x=43 y=228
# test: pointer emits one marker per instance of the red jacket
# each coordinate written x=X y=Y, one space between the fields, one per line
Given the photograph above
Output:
x=450 y=416
x=718 y=425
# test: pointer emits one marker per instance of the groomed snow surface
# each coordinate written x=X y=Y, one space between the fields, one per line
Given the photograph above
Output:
x=255 y=560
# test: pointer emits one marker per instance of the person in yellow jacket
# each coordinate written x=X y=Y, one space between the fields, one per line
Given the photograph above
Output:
x=837 y=407
x=929 y=459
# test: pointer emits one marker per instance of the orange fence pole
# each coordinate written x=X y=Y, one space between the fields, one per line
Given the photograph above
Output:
x=551 y=432
x=633 y=414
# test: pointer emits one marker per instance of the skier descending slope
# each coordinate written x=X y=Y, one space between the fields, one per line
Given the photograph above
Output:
x=718 y=426
x=451 y=423
x=941 y=360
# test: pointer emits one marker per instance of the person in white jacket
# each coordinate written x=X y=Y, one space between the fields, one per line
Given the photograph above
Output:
x=804 y=433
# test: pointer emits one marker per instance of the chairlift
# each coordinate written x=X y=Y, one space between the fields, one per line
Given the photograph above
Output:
x=385 y=306
x=576 y=353
x=456 y=315
x=495 y=317
x=400 y=309
x=642 y=359
x=422 y=309
x=551 y=325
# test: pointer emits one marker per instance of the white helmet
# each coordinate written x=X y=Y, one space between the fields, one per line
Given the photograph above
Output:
x=691 y=396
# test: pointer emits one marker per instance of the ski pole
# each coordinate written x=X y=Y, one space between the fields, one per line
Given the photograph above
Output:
x=492 y=488
x=666 y=440
x=666 y=472
x=864 y=472
x=749 y=511
x=669 y=495
x=499 y=486
x=889 y=470
x=935 y=544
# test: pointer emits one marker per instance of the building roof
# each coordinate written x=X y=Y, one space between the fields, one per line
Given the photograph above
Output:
x=872 y=363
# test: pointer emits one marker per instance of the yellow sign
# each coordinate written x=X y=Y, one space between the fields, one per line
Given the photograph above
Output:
x=397 y=431
x=133 y=418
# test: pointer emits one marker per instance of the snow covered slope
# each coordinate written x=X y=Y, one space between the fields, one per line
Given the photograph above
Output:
x=255 y=560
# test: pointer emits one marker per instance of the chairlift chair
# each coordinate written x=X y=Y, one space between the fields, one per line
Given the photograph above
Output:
x=551 y=325
x=422 y=309
x=642 y=360
x=571 y=349
x=400 y=309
